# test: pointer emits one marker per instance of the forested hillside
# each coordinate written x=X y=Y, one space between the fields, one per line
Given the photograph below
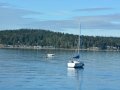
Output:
x=35 y=37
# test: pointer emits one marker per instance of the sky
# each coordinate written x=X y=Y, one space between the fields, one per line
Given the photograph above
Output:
x=96 y=17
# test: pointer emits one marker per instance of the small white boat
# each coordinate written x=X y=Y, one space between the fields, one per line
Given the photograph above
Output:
x=50 y=55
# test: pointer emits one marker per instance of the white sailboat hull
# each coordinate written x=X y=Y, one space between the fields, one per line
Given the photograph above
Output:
x=75 y=64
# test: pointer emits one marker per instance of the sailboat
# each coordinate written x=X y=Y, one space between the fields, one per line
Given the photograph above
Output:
x=75 y=61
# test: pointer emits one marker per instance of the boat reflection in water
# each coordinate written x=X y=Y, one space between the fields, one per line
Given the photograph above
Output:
x=76 y=74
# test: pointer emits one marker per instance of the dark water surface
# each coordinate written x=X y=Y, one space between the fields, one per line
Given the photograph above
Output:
x=31 y=70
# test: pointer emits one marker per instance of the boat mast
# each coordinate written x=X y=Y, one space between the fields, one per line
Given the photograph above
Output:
x=79 y=39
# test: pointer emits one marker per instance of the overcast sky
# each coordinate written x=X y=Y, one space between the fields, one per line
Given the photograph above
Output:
x=97 y=17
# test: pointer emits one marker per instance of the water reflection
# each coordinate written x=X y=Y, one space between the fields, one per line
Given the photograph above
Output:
x=77 y=76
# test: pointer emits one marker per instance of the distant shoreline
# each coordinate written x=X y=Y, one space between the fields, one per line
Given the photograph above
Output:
x=35 y=48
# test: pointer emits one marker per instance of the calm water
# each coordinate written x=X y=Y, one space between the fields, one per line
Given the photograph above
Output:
x=29 y=69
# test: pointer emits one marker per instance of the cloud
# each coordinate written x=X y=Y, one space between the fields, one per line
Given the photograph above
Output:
x=10 y=16
x=103 y=22
x=4 y=4
x=92 y=9
x=100 y=22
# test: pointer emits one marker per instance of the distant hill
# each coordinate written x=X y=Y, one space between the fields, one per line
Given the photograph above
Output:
x=38 y=37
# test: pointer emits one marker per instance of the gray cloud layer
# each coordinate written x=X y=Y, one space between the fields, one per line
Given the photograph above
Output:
x=104 y=22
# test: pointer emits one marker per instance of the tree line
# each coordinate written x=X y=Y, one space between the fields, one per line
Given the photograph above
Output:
x=39 y=37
